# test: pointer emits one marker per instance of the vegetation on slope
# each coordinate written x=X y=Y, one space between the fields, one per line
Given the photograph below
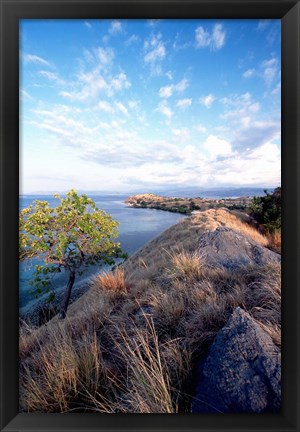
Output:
x=68 y=237
x=185 y=205
x=131 y=342
x=267 y=211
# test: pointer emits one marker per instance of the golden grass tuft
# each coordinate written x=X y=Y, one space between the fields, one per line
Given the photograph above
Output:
x=274 y=241
x=113 y=281
x=185 y=264
x=131 y=342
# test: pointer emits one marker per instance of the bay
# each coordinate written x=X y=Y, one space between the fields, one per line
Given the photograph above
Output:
x=136 y=228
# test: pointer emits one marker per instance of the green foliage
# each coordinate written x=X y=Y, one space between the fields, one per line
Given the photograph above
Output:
x=193 y=205
x=267 y=210
x=69 y=237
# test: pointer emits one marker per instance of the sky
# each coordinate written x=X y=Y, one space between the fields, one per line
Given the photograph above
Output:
x=121 y=105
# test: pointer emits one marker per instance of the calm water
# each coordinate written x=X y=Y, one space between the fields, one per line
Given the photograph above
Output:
x=137 y=227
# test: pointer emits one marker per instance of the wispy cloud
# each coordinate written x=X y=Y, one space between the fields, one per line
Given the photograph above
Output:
x=31 y=58
x=51 y=76
x=153 y=22
x=155 y=49
x=115 y=27
x=200 y=128
x=208 y=100
x=25 y=95
x=167 y=91
x=214 y=40
x=88 y=24
x=270 y=70
x=184 y=103
x=122 y=108
x=90 y=84
x=132 y=39
x=164 y=109
x=105 y=55
x=263 y=24
x=249 y=73
x=180 y=134
x=155 y=52
x=105 y=106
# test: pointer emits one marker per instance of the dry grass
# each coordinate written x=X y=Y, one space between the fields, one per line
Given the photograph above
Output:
x=112 y=281
x=185 y=265
x=131 y=342
x=274 y=241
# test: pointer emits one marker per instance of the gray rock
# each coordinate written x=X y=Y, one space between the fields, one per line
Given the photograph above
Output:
x=242 y=372
x=230 y=249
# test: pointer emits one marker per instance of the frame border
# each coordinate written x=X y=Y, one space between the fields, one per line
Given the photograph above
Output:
x=10 y=13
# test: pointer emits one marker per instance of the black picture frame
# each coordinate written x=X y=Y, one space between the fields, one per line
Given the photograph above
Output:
x=11 y=12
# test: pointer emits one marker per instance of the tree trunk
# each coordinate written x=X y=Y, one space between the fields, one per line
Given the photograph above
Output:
x=67 y=296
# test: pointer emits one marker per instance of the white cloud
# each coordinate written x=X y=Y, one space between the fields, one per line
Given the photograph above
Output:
x=87 y=24
x=167 y=91
x=113 y=145
x=120 y=82
x=200 y=128
x=216 y=146
x=277 y=89
x=51 y=76
x=25 y=95
x=270 y=70
x=214 y=40
x=180 y=135
x=105 y=106
x=263 y=24
x=218 y=36
x=133 y=104
x=208 y=100
x=153 y=22
x=249 y=73
x=31 y=58
x=159 y=52
x=132 y=39
x=89 y=85
x=155 y=53
x=122 y=108
x=238 y=107
x=169 y=75
x=164 y=109
x=202 y=37
x=105 y=55
x=115 y=27
x=184 y=103
x=255 y=107
x=182 y=85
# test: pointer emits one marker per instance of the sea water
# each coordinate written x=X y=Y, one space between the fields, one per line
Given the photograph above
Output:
x=136 y=228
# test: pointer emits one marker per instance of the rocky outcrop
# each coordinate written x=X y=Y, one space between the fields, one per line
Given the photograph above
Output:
x=242 y=372
x=230 y=249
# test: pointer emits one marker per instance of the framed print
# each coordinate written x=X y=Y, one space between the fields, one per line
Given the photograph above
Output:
x=150 y=158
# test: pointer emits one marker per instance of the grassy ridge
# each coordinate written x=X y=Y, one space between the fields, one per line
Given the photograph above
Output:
x=131 y=342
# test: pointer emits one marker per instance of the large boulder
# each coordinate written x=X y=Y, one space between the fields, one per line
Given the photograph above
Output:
x=227 y=248
x=242 y=372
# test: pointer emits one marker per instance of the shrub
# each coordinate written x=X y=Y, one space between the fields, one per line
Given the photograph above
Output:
x=267 y=210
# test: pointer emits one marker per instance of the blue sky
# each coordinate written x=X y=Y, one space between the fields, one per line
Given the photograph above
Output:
x=120 y=105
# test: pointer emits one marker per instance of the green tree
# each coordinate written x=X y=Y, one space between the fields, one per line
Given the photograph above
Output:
x=69 y=237
x=267 y=209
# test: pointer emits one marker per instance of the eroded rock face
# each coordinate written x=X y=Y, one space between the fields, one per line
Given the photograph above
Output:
x=242 y=372
x=230 y=249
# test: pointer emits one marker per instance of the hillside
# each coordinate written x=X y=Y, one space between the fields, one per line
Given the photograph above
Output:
x=185 y=205
x=136 y=341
